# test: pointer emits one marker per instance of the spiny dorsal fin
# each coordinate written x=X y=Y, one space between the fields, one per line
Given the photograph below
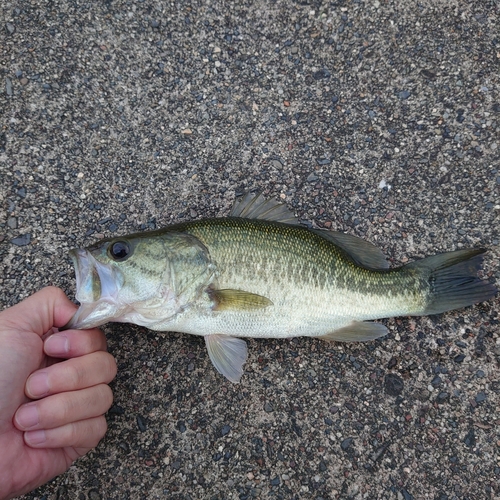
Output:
x=228 y=355
x=362 y=252
x=358 y=331
x=229 y=299
x=255 y=206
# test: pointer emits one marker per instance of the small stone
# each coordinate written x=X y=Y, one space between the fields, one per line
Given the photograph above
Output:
x=124 y=446
x=470 y=439
x=394 y=384
x=312 y=177
x=186 y=131
x=141 y=423
x=442 y=397
x=12 y=222
x=481 y=396
x=94 y=495
x=276 y=164
x=268 y=407
x=225 y=430
x=176 y=465
x=8 y=86
x=459 y=358
x=406 y=495
x=22 y=240
x=404 y=94
x=10 y=28
x=23 y=81
x=346 y=443
x=276 y=481
x=323 y=161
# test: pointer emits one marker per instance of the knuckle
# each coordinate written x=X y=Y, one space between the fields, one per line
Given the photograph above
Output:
x=111 y=368
x=76 y=374
x=98 y=429
x=107 y=396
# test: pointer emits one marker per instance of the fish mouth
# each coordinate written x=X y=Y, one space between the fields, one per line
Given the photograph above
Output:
x=97 y=287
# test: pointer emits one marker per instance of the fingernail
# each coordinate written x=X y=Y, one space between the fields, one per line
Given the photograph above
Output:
x=57 y=344
x=27 y=416
x=38 y=385
x=35 y=437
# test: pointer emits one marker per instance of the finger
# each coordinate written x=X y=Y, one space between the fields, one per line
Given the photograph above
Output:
x=64 y=408
x=74 y=343
x=39 y=313
x=71 y=375
x=84 y=434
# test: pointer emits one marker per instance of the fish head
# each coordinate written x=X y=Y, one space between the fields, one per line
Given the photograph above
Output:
x=138 y=279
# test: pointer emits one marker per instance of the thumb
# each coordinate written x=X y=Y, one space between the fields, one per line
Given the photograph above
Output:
x=39 y=313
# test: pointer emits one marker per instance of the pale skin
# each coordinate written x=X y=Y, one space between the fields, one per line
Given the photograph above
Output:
x=53 y=391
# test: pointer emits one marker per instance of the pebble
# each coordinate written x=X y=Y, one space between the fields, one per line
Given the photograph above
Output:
x=481 y=396
x=10 y=28
x=22 y=240
x=346 y=443
x=405 y=94
x=225 y=430
x=268 y=407
x=470 y=439
x=12 y=222
x=276 y=481
x=141 y=423
x=8 y=86
x=394 y=384
x=442 y=397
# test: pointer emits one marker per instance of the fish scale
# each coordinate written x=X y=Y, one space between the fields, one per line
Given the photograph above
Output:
x=258 y=273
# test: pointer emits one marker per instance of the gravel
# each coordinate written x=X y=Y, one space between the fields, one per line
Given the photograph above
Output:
x=380 y=119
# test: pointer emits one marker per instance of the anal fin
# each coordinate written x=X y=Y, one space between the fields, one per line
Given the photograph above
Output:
x=228 y=355
x=358 y=331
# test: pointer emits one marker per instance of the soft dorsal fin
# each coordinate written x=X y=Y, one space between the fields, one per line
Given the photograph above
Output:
x=362 y=252
x=255 y=206
x=228 y=299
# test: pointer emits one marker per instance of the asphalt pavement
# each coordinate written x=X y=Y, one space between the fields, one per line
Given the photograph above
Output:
x=376 y=118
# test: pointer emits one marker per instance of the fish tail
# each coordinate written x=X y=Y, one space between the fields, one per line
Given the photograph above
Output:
x=452 y=280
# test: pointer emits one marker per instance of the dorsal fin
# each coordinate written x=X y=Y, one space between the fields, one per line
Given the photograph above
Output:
x=255 y=206
x=362 y=252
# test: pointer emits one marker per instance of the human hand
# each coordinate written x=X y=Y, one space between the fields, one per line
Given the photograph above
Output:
x=53 y=391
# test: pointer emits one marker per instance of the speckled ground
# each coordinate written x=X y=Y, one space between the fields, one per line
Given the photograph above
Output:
x=378 y=118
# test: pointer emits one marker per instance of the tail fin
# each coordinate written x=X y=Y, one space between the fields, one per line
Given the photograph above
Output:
x=453 y=281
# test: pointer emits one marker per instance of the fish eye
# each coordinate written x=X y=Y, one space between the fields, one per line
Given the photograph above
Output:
x=119 y=250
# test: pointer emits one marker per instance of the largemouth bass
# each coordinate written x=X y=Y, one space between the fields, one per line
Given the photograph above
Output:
x=259 y=273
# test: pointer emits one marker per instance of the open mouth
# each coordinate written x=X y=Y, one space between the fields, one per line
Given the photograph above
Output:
x=97 y=287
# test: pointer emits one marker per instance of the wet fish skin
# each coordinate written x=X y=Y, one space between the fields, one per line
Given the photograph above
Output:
x=253 y=275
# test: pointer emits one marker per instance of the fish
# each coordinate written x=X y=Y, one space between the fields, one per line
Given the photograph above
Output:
x=260 y=273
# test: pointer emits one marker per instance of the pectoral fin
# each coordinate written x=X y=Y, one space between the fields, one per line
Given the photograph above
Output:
x=358 y=331
x=228 y=355
x=228 y=299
